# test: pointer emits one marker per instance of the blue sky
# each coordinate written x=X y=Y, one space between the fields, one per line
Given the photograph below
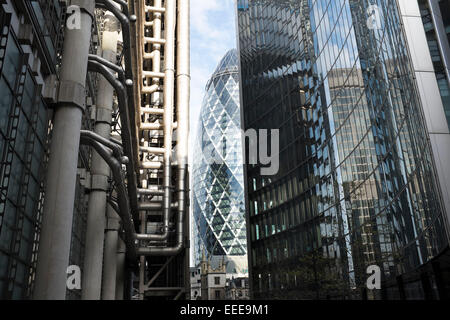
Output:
x=212 y=35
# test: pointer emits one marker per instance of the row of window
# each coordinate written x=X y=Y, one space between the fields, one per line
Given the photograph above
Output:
x=23 y=138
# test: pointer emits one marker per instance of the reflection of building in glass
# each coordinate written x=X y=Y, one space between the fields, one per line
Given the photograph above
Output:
x=357 y=183
x=219 y=210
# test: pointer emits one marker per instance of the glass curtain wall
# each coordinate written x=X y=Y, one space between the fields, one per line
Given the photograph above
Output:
x=356 y=185
x=219 y=209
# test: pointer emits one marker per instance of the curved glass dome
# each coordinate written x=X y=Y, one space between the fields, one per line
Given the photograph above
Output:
x=218 y=199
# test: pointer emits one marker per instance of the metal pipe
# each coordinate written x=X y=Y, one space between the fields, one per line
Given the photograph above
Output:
x=100 y=172
x=110 y=255
x=110 y=65
x=110 y=143
x=151 y=192
x=183 y=87
x=152 y=165
x=56 y=230
x=153 y=206
x=125 y=130
x=183 y=99
x=183 y=94
x=124 y=18
x=166 y=251
x=169 y=71
x=116 y=169
x=120 y=270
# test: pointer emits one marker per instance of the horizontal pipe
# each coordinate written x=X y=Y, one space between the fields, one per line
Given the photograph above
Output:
x=164 y=251
x=154 y=40
x=150 y=89
x=151 y=126
x=114 y=67
x=152 y=111
x=151 y=165
x=154 y=9
x=117 y=149
x=151 y=192
x=151 y=74
x=152 y=150
x=155 y=206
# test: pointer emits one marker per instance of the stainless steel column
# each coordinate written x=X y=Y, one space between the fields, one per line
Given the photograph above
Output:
x=56 y=228
x=110 y=255
x=100 y=171
x=120 y=270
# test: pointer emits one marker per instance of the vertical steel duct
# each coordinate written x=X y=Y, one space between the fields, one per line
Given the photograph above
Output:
x=169 y=99
x=182 y=147
x=110 y=255
x=54 y=247
x=183 y=95
x=92 y=277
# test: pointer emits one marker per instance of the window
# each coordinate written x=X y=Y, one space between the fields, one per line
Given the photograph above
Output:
x=217 y=294
x=216 y=280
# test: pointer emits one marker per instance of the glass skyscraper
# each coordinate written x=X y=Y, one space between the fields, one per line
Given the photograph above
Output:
x=357 y=185
x=219 y=207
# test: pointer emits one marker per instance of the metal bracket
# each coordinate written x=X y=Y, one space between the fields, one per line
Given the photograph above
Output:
x=99 y=183
x=72 y=93
x=112 y=224
x=103 y=115
x=88 y=6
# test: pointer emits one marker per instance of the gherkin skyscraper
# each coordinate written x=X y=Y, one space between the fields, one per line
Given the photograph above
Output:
x=219 y=208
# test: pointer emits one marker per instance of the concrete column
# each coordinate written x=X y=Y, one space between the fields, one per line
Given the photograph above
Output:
x=120 y=270
x=56 y=228
x=110 y=255
x=100 y=172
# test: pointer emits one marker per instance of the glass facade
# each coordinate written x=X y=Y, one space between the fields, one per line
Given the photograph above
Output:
x=356 y=185
x=25 y=132
x=219 y=208
x=435 y=50
x=23 y=141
